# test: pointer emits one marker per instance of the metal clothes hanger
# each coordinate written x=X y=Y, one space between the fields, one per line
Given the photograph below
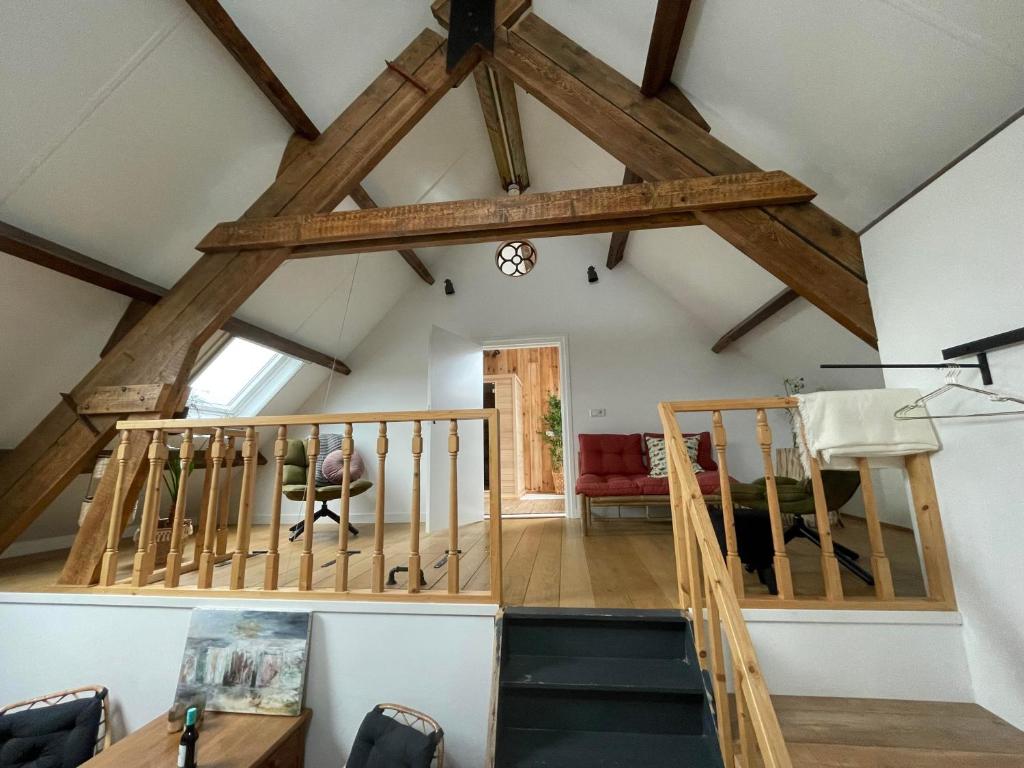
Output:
x=952 y=373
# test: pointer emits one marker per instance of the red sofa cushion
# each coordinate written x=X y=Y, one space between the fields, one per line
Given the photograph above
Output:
x=608 y=485
x=612 y=455
x=658 y=486
x=705 y=453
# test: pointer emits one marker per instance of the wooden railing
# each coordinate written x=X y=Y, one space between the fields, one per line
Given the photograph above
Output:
x=224 y=439
x=704 y=582
x=935 y=564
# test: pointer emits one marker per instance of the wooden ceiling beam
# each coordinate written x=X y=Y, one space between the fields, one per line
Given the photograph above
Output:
x=800 y=244
x=666 y=34
x=231 y=37
x=428 y=224
x=59 y=258
x=500 y=109
x=363 y=200
x=755 y=318
x=163 y=346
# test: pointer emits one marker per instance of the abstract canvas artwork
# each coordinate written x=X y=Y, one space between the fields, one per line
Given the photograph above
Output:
x=245 y=661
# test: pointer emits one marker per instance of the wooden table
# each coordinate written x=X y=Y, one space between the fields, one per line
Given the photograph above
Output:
x=225 y=741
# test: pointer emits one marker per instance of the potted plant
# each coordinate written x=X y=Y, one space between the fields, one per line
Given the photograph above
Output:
x=552 y=437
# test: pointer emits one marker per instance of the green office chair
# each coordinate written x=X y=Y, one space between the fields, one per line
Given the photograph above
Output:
x=296 y=465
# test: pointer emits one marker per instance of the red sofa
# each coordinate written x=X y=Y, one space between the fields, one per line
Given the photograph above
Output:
x=614 y=471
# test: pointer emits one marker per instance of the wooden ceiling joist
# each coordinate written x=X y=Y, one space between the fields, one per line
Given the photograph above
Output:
x=144 y=294
x=755 y=318
x=800 y=244
x=163 y=346
x=231 y=37
x=497 y=95
x=363 y=200
x=666 y=34
x=568 y=212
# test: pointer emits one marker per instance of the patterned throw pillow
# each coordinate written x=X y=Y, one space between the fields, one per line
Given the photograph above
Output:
x=328 y=444
x=659 y=458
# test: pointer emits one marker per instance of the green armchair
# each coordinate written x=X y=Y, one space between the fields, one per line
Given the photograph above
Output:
x=296 y=467
x=796 y=498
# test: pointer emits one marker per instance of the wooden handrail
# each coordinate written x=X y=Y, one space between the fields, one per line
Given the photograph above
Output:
x=689 y=509
x=935 y=565
x=227 y=434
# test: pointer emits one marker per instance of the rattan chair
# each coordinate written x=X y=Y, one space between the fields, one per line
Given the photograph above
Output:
x=103 y=735
x=419 y=721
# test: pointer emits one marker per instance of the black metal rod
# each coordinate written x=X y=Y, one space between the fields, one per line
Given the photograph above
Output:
x=981 y=365
x=985 y=345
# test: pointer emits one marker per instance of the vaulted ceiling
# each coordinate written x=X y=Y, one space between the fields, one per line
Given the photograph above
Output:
x=128 y=130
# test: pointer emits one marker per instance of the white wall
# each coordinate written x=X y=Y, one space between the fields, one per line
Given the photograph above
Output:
x=946 y=268
x=630 y=345
x=862 y=654
x=456 y=380
x=359 y=656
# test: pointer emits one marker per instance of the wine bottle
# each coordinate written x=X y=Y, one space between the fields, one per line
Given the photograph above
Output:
x=189 y=737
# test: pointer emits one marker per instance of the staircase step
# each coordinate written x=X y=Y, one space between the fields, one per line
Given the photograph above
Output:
x=602 y=673
x=585 y=709
x=542 y=748
x=596 y=633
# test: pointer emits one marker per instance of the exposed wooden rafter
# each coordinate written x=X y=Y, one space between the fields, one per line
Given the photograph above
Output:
x=755 y=318
x=163 y=346
x=231 y=37
x=569 y=212
x=498 y=103
x=363 y=200
x=144 y=294
x=800 y=244
x=666 y=34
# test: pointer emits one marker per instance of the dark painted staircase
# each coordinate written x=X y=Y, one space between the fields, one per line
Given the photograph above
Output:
x=602 y=688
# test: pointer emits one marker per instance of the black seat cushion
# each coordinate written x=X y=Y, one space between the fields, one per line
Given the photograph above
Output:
x=383 y=742
x=60 y=736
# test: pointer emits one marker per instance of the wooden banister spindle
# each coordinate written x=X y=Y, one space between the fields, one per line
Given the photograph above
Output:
x=244 y=528
x=747 y=740
x=494 y=523
x=677 y=507
x=273 y=566
x=732 y=556
x=172 y=574
x=453 y=507
x=108 y=569
x=937 y=573
x=414 y=516
x=214 y=459
x=377 y=560
x=783 y=575
x=306 y=558
x=224 y=514
x=829 y=565
x=341 y=571
x=880 y=567
x=718 y=679
x=145 y=556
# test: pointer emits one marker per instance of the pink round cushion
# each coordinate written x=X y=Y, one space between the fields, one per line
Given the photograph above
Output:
x=334 y=465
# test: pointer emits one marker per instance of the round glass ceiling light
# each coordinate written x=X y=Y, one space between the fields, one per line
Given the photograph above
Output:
x=516 y=258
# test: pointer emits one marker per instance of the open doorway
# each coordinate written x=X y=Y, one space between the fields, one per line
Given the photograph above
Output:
x=524 y=384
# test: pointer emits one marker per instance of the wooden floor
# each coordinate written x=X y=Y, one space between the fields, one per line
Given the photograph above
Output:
x=534 y=504
x=547 y=562
x=876 y=733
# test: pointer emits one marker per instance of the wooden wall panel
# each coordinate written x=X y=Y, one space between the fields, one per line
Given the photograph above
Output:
x=537 y=368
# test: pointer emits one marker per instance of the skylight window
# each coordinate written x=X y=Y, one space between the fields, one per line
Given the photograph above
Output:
x=240 y=380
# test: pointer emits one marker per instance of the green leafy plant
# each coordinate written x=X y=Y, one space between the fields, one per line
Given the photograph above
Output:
x=552 y=434
x=172 y=474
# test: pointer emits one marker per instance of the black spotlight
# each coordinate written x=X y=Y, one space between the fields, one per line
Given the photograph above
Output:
x=591 y=275
x=449 y=288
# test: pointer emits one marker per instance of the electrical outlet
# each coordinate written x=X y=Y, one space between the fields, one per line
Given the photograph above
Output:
x=597 y=412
